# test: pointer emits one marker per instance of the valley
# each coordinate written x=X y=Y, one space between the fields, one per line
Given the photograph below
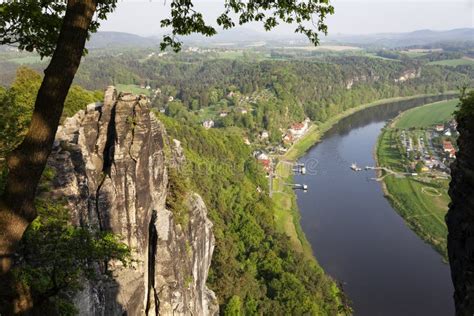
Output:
x=198 y=156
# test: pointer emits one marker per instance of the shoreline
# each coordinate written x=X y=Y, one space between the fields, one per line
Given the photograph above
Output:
x=287 y=213
x=395 y=202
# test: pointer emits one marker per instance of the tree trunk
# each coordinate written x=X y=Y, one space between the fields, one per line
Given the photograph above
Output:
x=27 y=162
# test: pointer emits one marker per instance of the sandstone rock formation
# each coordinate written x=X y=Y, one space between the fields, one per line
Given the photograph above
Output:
x=111 y=167
x=409 y=74
x=460 y=217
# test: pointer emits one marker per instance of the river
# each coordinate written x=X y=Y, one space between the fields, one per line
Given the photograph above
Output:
x=356 y=235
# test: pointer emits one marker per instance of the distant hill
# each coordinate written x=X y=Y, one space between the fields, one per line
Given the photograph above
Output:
x=387 y=40
x=420 y=37
x=241 y=34
x=120 y=39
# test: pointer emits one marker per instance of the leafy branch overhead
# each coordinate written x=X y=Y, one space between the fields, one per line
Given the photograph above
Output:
x=34 y=25
x=185 y=20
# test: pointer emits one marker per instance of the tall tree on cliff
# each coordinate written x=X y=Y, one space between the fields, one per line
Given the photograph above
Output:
x=60 y=29
x=460 y=217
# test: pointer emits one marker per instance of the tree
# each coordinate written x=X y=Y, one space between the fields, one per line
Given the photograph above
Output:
x=460 y=217
x=60 y=29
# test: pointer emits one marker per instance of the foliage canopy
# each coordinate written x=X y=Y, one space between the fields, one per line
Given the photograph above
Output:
x=34 y=25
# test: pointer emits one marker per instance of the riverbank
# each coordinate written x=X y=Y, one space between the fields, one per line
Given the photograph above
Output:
x=287 y=215
x=421 y=200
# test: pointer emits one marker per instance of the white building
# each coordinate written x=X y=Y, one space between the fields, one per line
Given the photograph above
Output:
x=298 y=129
x=208 y=124
x=262 y=156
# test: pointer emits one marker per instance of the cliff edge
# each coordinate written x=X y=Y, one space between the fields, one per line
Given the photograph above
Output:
x=111 y=168
x=460 y=217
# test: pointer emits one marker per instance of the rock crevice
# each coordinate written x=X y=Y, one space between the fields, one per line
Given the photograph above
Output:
x=111 y=168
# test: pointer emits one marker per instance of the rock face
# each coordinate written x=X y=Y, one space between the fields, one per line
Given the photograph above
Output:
x=460 y=217
x=409 y=74
x=111 y=166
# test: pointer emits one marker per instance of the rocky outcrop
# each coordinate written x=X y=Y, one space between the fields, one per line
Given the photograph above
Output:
x=111 y=168
x=460 y=217
x=408 y=74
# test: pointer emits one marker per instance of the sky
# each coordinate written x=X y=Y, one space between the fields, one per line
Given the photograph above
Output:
x=351 y=17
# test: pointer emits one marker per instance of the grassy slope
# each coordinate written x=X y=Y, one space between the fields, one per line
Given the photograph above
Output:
x=287 y=214
x=453 y=62
x=423 y=213
x=132 y=88
x=427 y=115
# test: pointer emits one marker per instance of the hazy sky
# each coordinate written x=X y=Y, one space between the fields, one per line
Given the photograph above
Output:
x=352 y=16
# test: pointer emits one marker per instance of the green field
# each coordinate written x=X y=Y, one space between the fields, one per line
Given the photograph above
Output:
x=27 y=60
x=421 y=200
x=132 y=88
x=413 y=54
x=453 y=62
x=427 y=115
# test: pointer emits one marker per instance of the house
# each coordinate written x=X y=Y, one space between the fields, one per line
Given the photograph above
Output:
x=439 y=127
x=298 y=129
x=452 y=153
x=242 y=111
x=262 y=156
x=208 y=124
x=282 y=149
x=288 y=138
x=223 y=114
x=447 y=146
x=264 y=135
x=266 y=163
x=447 y=132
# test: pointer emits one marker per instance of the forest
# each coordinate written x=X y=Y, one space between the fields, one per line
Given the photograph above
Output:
x=195 y=87
x=255 y=270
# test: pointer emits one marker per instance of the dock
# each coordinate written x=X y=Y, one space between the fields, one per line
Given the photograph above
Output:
x=303 y=187
x=299 y=168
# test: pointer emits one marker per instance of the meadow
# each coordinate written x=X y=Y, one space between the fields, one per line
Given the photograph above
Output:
x=453 y=62
x=135 y=89
x=427 y=115
x=421 y=200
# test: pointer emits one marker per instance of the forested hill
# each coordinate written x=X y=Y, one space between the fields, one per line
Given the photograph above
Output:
x=195 y=87
x=255 y=270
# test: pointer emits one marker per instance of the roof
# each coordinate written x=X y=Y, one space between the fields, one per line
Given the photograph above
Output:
x=297 y=126
x=447 y=145
x=265 y=162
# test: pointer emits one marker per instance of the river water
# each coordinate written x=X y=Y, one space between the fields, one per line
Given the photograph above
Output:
x=357 y=237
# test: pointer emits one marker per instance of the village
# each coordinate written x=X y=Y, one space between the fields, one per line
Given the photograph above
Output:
x=429 y=150
x=292 y=134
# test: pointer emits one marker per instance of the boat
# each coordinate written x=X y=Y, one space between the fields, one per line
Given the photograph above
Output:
x=354 y=167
